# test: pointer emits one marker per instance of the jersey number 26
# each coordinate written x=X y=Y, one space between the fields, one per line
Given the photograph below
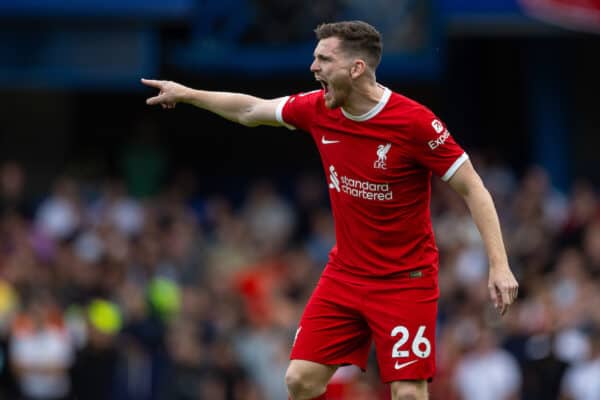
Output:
x=421 y=346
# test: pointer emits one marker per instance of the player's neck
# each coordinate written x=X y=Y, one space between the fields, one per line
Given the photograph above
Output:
x=363 y=98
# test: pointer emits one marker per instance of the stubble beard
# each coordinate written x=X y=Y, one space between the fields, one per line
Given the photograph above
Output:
x=335 y=98
x=331 y=102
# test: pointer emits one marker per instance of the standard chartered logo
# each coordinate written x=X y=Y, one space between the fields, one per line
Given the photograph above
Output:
x=333 y=177
x=358 y=188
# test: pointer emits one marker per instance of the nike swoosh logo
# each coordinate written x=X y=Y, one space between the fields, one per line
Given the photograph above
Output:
x=406 y=364
x=325 y=141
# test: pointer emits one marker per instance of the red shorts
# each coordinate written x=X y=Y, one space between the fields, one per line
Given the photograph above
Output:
x=342 y=317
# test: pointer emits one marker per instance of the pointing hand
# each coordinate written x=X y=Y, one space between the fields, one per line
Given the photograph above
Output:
x=169 y=93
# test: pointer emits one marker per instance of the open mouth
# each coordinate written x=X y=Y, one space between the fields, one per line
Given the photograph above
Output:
x=324 y=85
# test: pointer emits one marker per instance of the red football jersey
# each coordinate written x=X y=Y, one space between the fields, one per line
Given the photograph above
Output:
x=378 y=167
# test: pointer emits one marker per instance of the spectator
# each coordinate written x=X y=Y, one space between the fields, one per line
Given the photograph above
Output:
x=41 y=350
x=487 y=372
x=94 y=370
x=60 y=214
x=581 y=379
x=12 y=190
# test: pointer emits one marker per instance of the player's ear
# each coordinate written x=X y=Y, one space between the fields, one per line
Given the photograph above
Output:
x=358 y=68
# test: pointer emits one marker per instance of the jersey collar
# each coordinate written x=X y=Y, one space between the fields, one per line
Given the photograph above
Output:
x=373 y=111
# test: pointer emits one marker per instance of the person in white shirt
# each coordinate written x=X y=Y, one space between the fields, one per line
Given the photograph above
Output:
x=487 y=372
x=582 y=379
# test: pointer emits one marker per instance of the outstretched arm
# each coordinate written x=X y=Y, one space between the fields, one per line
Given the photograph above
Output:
x=237 y=107
x=502 y=284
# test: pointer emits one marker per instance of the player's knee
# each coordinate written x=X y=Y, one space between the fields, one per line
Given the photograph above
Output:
x=301 y=386
x=416 y=390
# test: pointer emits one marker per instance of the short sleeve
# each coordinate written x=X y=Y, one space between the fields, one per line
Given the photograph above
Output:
x=298 y=111
x=434 y=147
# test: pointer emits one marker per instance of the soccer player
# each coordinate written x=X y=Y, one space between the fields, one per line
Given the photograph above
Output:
x=378 y=150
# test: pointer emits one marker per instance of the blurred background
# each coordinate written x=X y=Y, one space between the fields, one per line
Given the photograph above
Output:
x=153 y=255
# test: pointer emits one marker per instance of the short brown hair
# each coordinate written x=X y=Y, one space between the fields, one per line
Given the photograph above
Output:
x=356 y=37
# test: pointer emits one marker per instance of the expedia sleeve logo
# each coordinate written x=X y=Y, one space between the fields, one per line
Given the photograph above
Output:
x=438 y=127
x=434 y=144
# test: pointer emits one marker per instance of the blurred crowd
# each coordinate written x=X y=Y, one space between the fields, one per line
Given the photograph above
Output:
x=183 y=294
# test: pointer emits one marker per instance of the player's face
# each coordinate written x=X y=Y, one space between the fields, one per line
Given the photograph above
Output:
x=332 y=69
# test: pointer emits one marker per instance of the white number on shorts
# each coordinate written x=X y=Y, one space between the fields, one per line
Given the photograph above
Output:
x=418 y=343
x=403 y=339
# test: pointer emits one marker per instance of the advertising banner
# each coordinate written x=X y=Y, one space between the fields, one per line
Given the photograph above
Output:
x=581 y=15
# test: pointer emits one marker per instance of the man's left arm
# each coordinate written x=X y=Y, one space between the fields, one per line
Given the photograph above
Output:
x=502 y=284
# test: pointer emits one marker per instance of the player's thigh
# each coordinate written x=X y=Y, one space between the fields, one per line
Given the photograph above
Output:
x=332 y=330
x=403 y=323
x=309 y=372
x=416 y=390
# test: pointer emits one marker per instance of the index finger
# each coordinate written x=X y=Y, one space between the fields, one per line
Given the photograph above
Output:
x=152 y=83
x=506 y=300
x=494 y=296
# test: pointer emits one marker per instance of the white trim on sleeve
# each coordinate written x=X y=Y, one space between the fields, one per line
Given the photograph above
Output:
x=279 y=113
x=454 y=167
